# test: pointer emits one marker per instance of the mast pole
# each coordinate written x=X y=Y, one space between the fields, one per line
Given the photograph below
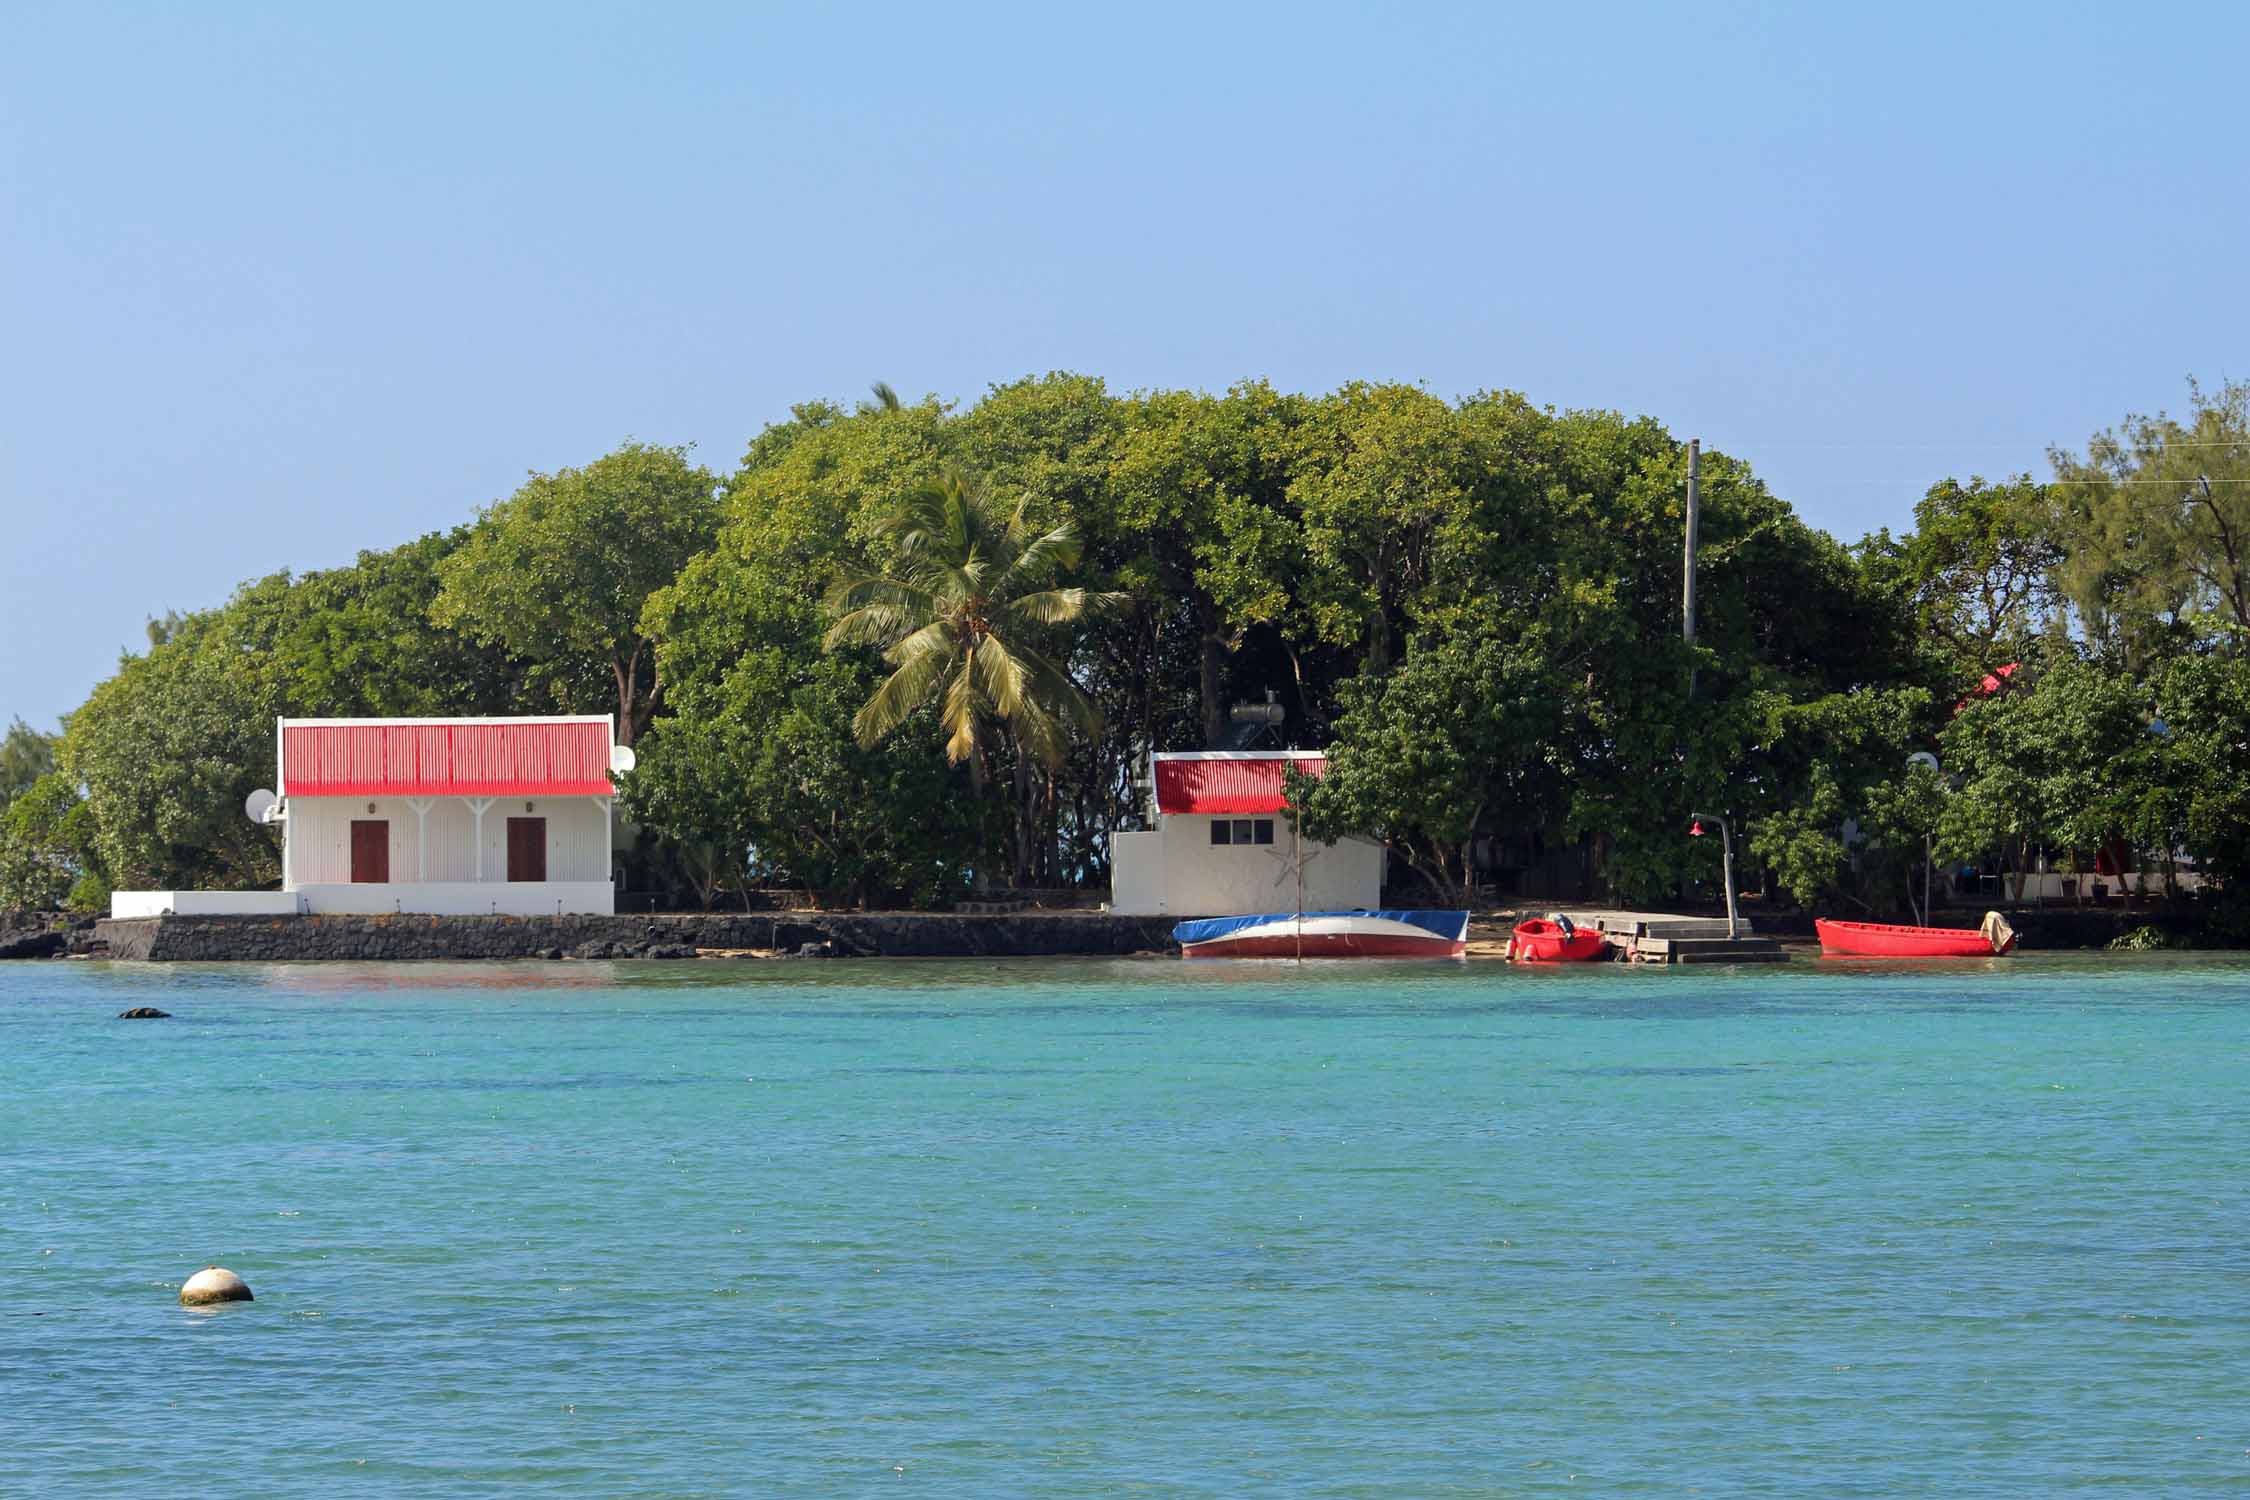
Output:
x=1297 y=858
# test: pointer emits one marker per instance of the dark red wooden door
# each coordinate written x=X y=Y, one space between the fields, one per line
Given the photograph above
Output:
x=371 y=851
x=527 y=848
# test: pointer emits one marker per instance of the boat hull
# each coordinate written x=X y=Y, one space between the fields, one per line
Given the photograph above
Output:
x=1368 y=934
x=1888 y=940
x=1542 y=942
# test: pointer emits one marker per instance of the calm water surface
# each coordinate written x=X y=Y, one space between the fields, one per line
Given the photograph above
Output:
x=1074 y=1228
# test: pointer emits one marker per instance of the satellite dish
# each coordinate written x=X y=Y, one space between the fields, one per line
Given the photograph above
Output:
x=1923 y=758
x=258 y=806
x=622 y=759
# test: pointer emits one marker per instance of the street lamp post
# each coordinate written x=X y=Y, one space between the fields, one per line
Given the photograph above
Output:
x=1929 y=855
x=1726 y=858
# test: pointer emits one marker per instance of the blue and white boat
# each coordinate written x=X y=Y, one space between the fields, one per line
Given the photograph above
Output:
x=1327 y=934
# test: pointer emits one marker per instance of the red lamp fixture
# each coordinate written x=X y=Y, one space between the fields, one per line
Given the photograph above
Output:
x=1695 y=829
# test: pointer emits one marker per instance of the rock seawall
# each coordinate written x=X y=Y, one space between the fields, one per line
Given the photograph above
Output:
x=40 y=934
x=841 y=935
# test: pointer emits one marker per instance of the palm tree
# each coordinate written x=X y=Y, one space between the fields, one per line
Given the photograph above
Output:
x=972 y=583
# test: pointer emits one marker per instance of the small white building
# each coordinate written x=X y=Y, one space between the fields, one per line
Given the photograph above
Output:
x=1221 y=847
x=465 y=817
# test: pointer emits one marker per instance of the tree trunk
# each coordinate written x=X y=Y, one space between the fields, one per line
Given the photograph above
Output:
x=1023 y=812
x=628 y=674
x=1213 y=662
x=981 y=876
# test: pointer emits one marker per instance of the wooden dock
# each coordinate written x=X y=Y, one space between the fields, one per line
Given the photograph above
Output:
x=1657 y=938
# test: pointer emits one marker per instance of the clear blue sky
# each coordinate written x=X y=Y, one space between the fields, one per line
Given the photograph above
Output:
x=279 y=284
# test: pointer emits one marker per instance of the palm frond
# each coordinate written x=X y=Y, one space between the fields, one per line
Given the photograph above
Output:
x=1037 y=561
x=960 y=714
x=937 y=638
x=902 y=692
x=875 y=625
x=1061 y=606
x=1050 y=686
x=1041 y=733
x=919 y=521
x=1000 y=676
x=874 y=610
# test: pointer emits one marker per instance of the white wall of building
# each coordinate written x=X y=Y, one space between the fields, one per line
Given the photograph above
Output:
x=1177 y=871
x=1136 y=873
x=204 y=903
x=319 y=830
x=464 y=898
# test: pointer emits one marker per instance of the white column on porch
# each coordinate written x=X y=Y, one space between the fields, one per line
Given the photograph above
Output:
x=478 y=806
x=421 y=807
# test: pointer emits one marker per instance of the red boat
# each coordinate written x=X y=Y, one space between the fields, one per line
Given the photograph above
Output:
x=1540 y=941
x=1886 y=940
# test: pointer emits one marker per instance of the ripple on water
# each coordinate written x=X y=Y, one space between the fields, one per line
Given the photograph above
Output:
x=1089 y=1226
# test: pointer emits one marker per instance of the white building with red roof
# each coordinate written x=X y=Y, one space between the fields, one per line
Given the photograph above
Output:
x=465 y=817
x=1222 y=847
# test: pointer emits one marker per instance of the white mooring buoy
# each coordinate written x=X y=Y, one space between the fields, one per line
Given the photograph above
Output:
x=215 y=1284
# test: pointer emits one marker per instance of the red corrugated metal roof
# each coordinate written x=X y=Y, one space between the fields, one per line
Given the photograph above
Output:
x=470 y=759
x=1228 y=785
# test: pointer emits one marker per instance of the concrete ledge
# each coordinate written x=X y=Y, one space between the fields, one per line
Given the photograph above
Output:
x=204 y=903
x=846 y=935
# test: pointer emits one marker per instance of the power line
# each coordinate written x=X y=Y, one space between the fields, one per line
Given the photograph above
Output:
x=1800 y=480
x=1965 y=443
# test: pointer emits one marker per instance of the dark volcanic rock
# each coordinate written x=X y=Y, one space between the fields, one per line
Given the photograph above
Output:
x=144 y=1013
x=33 y=944
x=816 y=934
x=31 y=934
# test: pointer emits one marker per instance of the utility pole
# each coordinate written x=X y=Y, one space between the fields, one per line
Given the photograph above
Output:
x=1726 y=861
x=1687 y=565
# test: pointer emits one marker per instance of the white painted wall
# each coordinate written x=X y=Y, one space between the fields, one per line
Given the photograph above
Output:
x=1136 y=873
x=462 y=898
x=1177 y=871
x=319 y=830
x=203 y=903
x=465 y=898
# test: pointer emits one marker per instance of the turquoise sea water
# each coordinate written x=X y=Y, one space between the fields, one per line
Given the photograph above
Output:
x=1070 y=1228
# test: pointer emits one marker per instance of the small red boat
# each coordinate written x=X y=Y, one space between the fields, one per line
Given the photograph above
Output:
x=1541 y=941
x=1887 y=940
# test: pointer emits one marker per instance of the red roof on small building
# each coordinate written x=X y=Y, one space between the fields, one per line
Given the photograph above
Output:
x=1235 y=782
x=1990 y=684
x=445 y=758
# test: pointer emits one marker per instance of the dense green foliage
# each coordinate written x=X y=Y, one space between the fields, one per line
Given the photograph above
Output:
x=903 y=651
x=559 y=573
x=25 y=756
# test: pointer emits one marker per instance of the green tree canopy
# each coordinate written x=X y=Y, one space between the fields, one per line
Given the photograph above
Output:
x=1980 y=572
x=47 y=855
x=2155 y=520
x=169 y=747
x=971 y=590
x=25 y=756
x=560 y=572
